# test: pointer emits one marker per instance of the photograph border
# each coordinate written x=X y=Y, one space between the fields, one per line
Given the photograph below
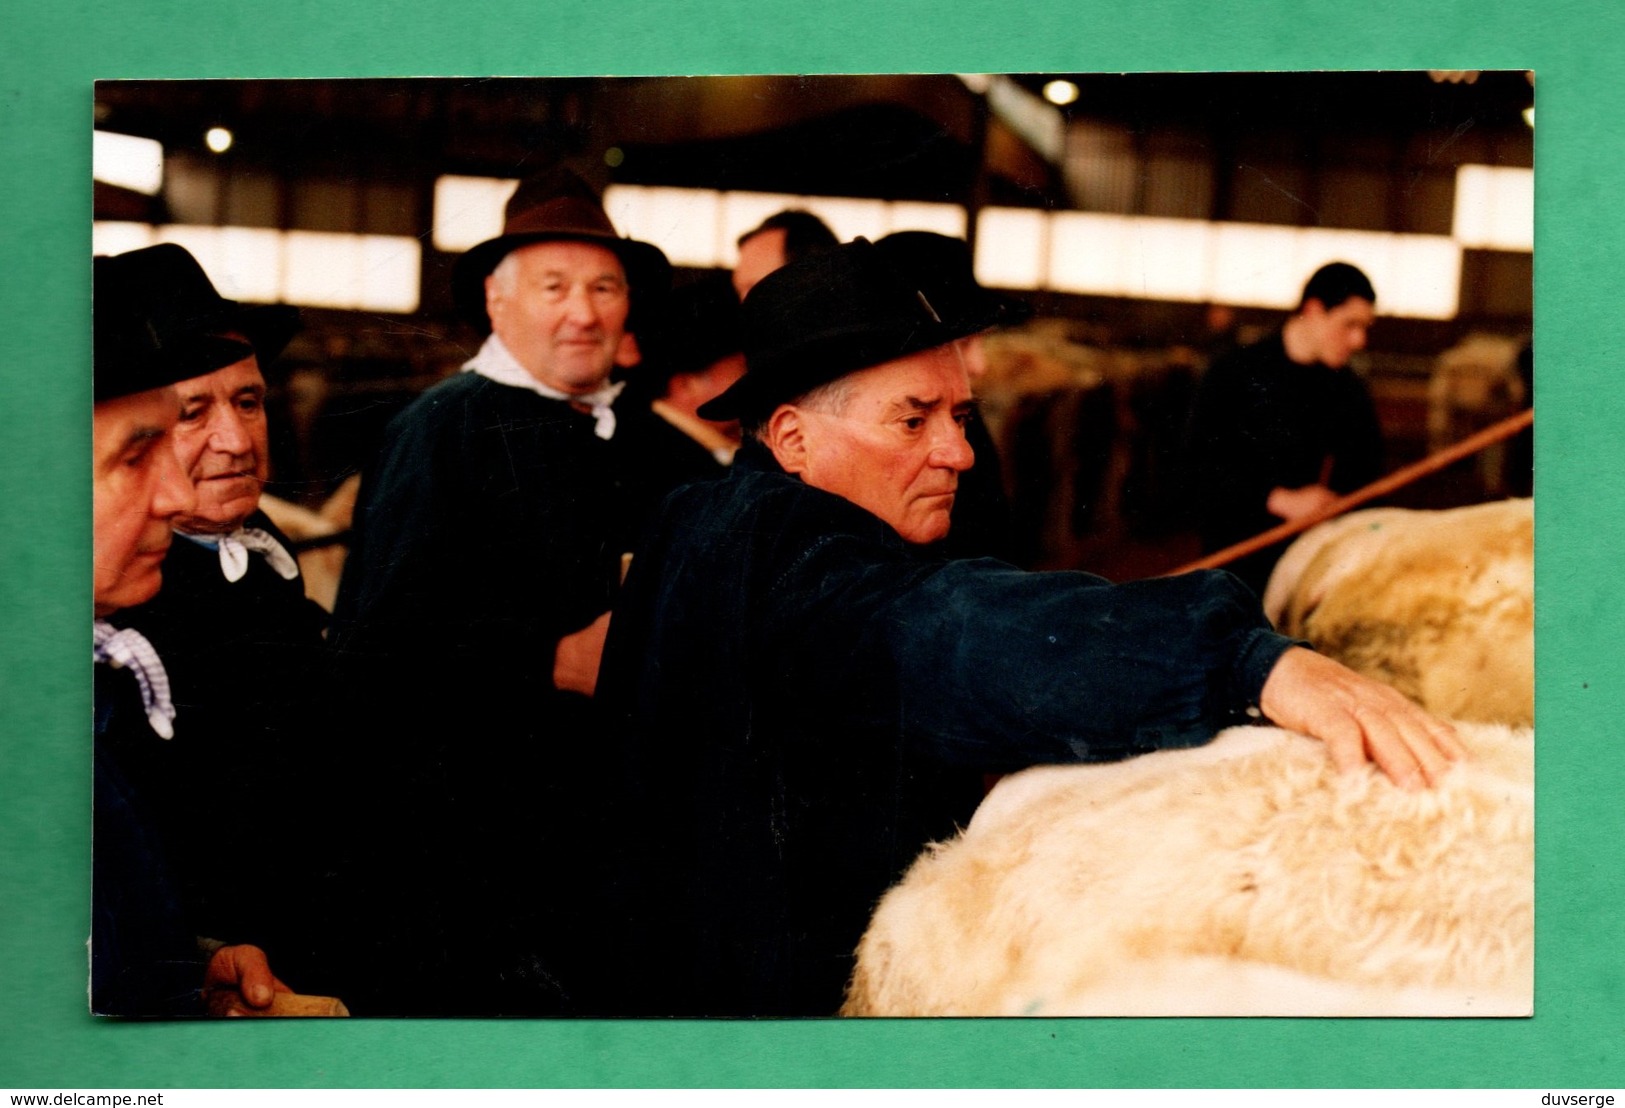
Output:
x=47 y=1038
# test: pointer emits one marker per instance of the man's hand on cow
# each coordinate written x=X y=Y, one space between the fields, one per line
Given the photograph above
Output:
x=1292 y=504
x=575 y=662
x=1358 y=719
x=239 y=982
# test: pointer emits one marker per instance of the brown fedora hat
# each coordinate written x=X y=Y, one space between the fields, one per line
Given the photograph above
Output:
x=551 y=206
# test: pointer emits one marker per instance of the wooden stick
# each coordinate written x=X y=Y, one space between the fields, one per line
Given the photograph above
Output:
x=1382 y=486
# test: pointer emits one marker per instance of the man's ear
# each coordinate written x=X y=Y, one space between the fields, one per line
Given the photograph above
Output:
x=493 y=296
x=787 y=438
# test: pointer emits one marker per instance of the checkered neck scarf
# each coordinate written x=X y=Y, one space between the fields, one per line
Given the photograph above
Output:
x=129 y=649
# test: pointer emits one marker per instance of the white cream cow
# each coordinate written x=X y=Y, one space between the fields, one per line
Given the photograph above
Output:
x=1440 y=605
x=1246 y=877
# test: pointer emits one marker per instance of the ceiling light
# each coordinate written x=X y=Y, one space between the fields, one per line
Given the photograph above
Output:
x=1060 y=93
x=218 y=139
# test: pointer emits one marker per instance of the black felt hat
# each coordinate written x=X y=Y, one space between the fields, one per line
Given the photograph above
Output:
x=549 y=207
x=158 y=320
x=942 y=267
x=824 y=316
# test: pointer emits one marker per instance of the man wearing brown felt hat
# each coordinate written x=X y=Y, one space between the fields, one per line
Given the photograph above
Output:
x=472 y=611
x=805 y=697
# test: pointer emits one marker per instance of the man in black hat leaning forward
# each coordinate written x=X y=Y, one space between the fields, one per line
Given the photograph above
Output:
x=471 y=616
x=146 y=955
x=804 y=701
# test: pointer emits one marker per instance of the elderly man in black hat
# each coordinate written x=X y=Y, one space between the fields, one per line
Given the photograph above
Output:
x=804 y=701
x=147 y=955
x=472 y=609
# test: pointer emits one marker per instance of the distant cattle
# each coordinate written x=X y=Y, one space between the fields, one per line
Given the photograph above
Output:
x=1439 y=605
x=1246 y=877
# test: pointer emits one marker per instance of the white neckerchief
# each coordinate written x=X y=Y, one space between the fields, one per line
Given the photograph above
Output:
x=234 y=550
x=494 y=361
x=130 y=649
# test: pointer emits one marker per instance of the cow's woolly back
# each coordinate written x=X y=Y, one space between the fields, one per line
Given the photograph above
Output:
x=1440 y=605
x=1242 y=878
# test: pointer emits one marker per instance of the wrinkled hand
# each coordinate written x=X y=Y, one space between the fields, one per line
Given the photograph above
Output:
x=1293 y=504
x=1358 y=719
x=575 y=663
x=239 y=982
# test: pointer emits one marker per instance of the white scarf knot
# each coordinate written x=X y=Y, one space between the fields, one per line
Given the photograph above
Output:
x=496 y=363
x=234 y=550
x=130 y=649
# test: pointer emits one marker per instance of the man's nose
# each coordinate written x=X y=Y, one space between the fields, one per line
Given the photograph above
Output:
x=174 y=492
x=952 y=451
x=579 y=307
x=227 y=433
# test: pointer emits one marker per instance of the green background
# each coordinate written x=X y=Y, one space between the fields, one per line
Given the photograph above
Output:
x=49 y=56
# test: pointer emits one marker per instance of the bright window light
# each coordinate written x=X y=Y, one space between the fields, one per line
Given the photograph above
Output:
x=468 y=211
x=849 y=218
x=1254 y=265
x=380 y=273
x=111 y=237
x=1011 y=248
x=944 y=219
x=371 y=272
x=1107 y=255
x=244 y=263
x=1495 y=207
x=1088 y=253
x=324 y=269
x=683 y=222
x=127 y=161
x=1423 y=279
x=390 y=273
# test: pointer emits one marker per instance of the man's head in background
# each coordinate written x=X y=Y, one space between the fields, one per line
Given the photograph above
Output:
x=1335 y=312
x=776 y=241
x=857 y=385
x=560 y=287
x=221 y=440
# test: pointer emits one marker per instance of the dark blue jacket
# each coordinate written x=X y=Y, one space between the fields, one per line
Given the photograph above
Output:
x=803 y=701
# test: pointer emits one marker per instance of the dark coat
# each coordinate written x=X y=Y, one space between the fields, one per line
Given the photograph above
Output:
x=144 y=956
x=1262 y=421
x=244 y=660
x=485 y=530
x=802 y=702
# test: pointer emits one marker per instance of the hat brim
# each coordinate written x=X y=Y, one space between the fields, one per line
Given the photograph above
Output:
x=648 y=273
x=268 y=327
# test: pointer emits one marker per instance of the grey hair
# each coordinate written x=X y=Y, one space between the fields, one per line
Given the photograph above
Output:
x=506 y=274
x=830 y=398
